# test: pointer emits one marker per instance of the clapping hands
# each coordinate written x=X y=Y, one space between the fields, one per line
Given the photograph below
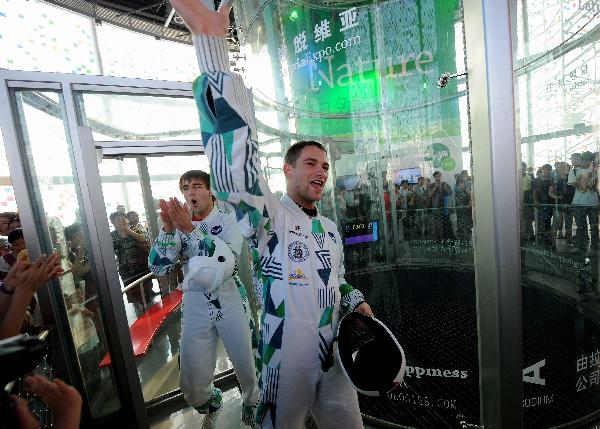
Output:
x=175 y=215
x=31 y=277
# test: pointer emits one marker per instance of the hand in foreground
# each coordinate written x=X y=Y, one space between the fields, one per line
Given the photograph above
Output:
x=64 y=400
x=365 y=309
x=180 y=214
x=21 y=276
x=204 y=21
x=25 y=418
x=165 y=217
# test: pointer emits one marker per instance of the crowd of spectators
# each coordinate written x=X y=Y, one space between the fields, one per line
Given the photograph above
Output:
x=553 y=196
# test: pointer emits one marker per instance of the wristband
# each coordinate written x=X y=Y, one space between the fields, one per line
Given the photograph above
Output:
x=4 y=290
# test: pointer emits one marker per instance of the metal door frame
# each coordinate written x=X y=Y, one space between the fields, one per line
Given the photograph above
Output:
x=133 y=408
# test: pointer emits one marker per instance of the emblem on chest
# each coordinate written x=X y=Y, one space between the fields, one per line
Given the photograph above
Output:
x=298 y=251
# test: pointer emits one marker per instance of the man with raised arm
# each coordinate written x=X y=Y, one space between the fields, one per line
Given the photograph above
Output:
x=297 y=252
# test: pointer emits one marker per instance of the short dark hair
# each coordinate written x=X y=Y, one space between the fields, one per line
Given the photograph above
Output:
x=115 y=215
x=293 y=153
x=14 y=235
x=587 y=156
x=437 y=172
x=71 y=230
x=195 y=174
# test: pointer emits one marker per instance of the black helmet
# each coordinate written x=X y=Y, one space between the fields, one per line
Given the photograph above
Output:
x=370 y=355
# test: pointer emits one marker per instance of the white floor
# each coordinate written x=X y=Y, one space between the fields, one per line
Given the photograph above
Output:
x=228 y=417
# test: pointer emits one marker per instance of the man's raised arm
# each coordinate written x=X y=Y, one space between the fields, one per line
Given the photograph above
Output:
x=227 y=122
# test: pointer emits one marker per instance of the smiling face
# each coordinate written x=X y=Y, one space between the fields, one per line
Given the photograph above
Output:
x=198 y=197
x=306 y=178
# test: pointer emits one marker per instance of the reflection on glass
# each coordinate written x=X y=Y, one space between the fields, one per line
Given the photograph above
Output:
x=50 y=167
x=136 y=117
x=558 y=118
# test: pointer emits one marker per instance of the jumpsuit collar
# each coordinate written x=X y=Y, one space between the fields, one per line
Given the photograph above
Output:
x=291 y=204
x=207 y=218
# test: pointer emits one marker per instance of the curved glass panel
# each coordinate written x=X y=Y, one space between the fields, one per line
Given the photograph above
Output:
x=362 y=77
x=556 y=69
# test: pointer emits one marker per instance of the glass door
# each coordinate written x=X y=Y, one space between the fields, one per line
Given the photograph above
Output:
x=140 y=161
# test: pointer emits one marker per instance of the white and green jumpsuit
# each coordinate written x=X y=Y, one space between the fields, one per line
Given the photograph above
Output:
x=206 y=317
x=298 y=260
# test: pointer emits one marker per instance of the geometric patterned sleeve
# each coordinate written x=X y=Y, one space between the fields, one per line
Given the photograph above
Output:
x=228 y=131
x=164 y=253
x=351 y=298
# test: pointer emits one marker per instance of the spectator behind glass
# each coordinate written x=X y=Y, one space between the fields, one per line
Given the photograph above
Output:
x=125 y=243
x=438 y=194
x=134 y=223
x=8 y=222
x=585 y=201
x=81 y=269
x=464 y=216
x=342 y=204
x=544 y=204
x=526 y=204
x=563 y=193
x=17 y=245
x=576 y=160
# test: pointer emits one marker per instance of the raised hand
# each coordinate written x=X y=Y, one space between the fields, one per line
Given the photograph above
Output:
x=202 y=20
x=35 y=275
x=180 y=213
x=165 y=217
x=64 y=400
x=365 y=309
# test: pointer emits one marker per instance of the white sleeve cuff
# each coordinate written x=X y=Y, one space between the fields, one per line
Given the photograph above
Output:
x=212 y=53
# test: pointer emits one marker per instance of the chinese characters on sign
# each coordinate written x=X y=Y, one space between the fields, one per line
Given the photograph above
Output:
x=349 y=19
x=588 y=371
x=300 y=42
x=322 y=30
x=578 y=77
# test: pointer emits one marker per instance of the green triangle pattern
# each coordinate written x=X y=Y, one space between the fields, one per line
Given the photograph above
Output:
x=228 y=143
x=280 y=311
x=255 y=217
x=222 y=196
x=268 y=352
x=326 y=317
x=317 y=228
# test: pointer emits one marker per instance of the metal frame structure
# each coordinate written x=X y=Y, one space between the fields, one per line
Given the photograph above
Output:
x=495 y=153
x=133 y=409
